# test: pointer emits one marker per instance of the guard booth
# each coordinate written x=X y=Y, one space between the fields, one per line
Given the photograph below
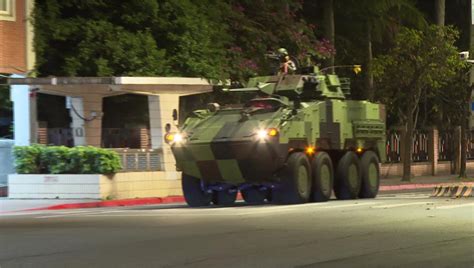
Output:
x=83 y=99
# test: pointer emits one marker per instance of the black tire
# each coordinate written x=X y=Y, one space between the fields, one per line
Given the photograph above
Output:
x=323 y=177
x=347 y=181
x=295 y=187
x=193 y=193
x=253 y=195
x=370 y=175
x=225 y=197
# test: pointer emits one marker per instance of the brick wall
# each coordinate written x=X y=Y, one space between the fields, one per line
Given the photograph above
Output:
x=13 y=41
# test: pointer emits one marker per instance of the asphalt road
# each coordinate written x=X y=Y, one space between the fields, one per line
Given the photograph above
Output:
x=398 y=230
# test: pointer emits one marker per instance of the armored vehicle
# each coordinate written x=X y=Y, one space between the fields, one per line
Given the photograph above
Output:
x=299 y=139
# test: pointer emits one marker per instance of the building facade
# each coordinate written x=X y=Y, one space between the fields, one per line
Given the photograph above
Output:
x=16 y=37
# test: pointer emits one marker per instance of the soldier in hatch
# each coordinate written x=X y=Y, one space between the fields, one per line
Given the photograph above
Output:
x=287 y=66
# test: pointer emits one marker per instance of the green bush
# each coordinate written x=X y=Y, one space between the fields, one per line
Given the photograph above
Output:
x=54 y=159
x=27 y=159
x=39 y=159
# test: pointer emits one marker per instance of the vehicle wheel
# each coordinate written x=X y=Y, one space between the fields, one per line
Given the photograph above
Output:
x=347 y=182
x=193 y=193
x=252 y=195
x=370 y=174
x=225 y=197
x=322 y=176
x=295 y=184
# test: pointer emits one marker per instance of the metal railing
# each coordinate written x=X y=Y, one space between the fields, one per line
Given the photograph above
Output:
x=140 y=159
x=420 y=146
x=445 y=146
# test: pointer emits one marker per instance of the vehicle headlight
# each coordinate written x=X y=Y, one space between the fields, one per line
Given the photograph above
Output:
x=263 y=134
x=174 y=138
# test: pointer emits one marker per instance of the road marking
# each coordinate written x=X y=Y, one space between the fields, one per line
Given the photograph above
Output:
x=400 y=205
x=404 y=196
x=69 y=211
x=19 y=213
x=80 y=214
x=351 y=205
x=456 y=206
x=209 y=212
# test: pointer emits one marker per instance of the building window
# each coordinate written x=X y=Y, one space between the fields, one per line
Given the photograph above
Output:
x=7 y=10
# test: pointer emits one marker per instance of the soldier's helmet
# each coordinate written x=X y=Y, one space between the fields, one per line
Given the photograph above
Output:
x=282 y=51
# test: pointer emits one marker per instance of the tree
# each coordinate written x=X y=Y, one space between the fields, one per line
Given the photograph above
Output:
x=371 y=29
x=208 y=38
x=461 y=100
x=420 y=63
x=440 y=8
x=96 y=38
x=329 y=28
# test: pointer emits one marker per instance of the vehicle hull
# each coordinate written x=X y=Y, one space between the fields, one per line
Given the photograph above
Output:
x=234 y=162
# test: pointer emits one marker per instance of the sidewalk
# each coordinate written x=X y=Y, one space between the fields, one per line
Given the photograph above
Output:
x=9 y=205
x=386 y=185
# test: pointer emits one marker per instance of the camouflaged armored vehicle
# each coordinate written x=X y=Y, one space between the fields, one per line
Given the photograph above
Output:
x=299 y=139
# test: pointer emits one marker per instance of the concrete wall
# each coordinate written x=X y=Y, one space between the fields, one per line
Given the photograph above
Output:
x=422 y=169
x=95 y=186
x=6 y=161
x=65 y=186
x=141 y=184
x=161 y=113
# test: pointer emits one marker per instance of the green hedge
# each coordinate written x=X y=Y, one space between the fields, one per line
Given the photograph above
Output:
x=40 y=159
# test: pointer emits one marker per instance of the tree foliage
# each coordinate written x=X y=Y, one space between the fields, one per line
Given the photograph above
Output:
x=419 y=66
x=208 y=38
x=96 y=38
x=421 y=63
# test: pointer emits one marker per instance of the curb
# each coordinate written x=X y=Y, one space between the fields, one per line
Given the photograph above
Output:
x=116 y=203
x=455 y=190
x=180 y=199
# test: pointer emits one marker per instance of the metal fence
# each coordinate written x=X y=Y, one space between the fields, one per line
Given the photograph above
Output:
x=445 y=146
x=420 y=146
x=140 y=159
x=470 y=146
x=393 y=146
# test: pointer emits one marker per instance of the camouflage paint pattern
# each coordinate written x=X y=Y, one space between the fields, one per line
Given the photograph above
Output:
x=223 y=145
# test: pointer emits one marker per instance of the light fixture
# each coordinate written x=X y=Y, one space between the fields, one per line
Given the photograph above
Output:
x=174 y=138
x=263 y=134
x=310 y=150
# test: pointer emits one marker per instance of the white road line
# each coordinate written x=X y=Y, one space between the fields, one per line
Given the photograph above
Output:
x=456 y=206
x=228 y=211
x=19 y=213
x=85 y=213
x=69 y=211
x=400 y=205
x=352 y=205
x=236 y=209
